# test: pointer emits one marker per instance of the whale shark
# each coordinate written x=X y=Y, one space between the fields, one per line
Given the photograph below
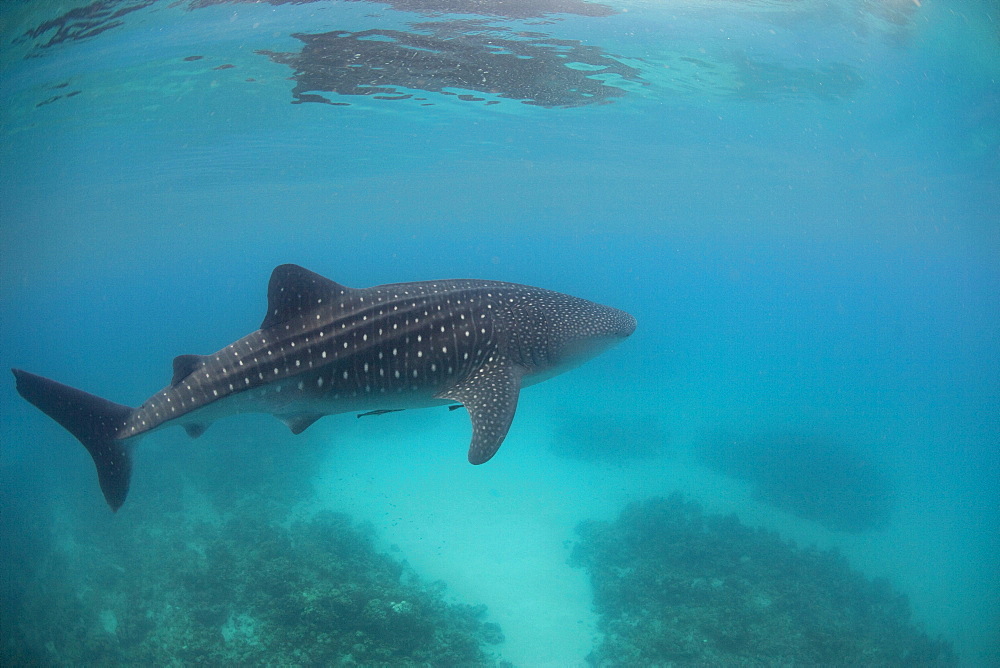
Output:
x=324 y=348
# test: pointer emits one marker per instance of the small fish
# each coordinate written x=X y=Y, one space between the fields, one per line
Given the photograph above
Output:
x=381 y=411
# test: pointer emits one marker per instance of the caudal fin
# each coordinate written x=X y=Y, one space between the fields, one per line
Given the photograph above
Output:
x=94 y=422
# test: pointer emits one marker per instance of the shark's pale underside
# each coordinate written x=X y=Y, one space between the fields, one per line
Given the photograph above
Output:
x=324 y=348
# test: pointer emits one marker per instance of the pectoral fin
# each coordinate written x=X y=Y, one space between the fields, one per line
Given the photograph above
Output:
x=490 y=395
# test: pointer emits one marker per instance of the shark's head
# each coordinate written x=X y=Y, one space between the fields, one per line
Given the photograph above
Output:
x=554 y=332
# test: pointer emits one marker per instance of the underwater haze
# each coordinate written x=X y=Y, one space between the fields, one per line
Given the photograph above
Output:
x=793 y=460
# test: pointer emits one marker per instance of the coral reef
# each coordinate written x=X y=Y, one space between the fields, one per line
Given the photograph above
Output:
x=816 y=477
x=241 y=592
x=675 y=586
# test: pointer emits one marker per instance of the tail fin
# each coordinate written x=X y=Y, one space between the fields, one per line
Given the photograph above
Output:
x=94 y=422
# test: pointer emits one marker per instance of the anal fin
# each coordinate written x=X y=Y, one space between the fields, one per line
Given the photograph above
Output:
x=490 y=395
x=194 y=429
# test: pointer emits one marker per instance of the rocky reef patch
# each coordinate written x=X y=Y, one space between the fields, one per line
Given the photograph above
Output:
x=241 y=592
x=676 y=586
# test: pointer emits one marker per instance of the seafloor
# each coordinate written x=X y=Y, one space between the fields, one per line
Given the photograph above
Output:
x=261 y=580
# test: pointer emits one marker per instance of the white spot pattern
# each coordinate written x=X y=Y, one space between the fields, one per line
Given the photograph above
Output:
x=462 y=340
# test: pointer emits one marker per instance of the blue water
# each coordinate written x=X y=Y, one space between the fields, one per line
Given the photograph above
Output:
x=797 y=201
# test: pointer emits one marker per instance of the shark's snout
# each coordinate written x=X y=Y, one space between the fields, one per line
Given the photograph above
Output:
x=626 y=324
x=614 y=323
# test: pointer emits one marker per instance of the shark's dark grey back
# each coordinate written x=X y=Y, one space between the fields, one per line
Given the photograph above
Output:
x=386 y=346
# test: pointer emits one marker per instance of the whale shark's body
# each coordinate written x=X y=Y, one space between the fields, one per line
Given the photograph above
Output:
x=324 y=348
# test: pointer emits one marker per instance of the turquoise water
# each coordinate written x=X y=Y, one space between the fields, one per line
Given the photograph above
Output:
x=797 y=201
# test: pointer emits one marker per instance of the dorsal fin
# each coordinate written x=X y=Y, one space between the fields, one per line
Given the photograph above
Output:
x=293 y=291
x=184 y=366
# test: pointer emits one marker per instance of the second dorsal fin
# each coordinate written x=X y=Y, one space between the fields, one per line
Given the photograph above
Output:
x=185 y=365
x=294 y=290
